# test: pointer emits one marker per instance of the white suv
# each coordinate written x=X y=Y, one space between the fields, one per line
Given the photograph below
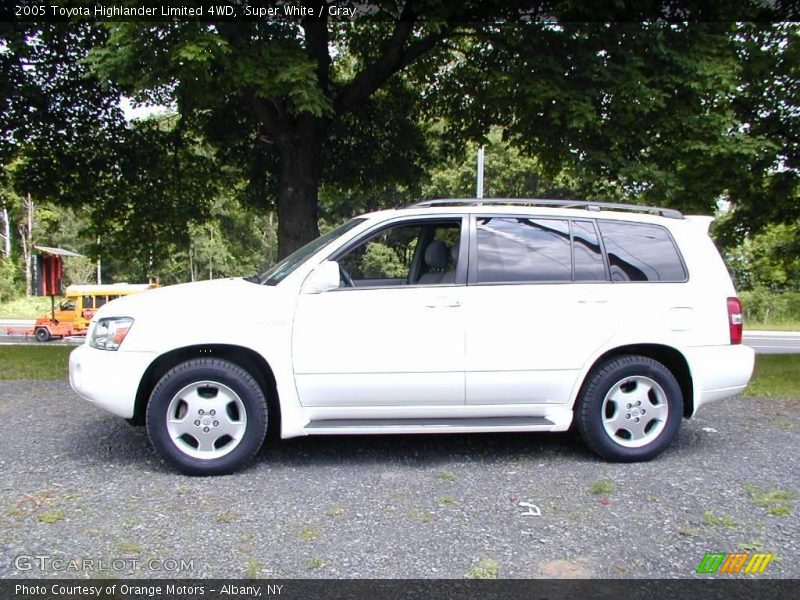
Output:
x=445 y=316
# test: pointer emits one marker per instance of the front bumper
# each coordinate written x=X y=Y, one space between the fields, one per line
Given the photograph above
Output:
x=108 y=379
x=719 y=371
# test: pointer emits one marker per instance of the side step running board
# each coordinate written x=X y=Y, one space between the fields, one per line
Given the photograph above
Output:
x=335 y=426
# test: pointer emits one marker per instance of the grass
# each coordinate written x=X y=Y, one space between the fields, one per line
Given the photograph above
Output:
x=777 y=502
x=308 y=533
x=485 y=569
x=252 y=568
x=775 y=376
x=53 y=517
x=34 y=362
x=709 y=518
x=421 y=517
x=334 y=510
x=446 y=475
x=315 y=563
x=447 y=500
x=129 y=548
x=602 y=487
x=25 y=308
x=756 y=545
x=228 y=517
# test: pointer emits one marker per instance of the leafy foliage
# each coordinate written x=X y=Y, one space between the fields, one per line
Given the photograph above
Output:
x=318 y=119
x=769 y=260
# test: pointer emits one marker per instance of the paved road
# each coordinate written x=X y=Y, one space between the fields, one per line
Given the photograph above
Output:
x=22 y=340
x=78 y=483
x=773 y=342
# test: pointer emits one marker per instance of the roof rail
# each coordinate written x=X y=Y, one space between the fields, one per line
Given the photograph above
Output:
x=587 y=204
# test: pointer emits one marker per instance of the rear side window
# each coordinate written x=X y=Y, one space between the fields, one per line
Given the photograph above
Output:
x=520 y=249
x=641 y=252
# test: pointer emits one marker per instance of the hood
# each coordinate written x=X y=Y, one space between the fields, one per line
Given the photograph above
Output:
x=180 y=297
x=202 y=305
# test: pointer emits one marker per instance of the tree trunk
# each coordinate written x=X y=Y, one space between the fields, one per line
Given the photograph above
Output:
x=299 y=151
x=6 y=235
x=26 y=241
x=191 y=261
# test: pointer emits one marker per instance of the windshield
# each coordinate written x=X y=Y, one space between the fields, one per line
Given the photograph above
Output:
x=277 y=273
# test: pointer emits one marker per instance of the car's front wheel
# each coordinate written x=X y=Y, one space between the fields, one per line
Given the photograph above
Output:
x=630 y=409
x=207 y=416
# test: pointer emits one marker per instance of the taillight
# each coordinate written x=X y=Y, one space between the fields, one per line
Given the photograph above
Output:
x=735 y=320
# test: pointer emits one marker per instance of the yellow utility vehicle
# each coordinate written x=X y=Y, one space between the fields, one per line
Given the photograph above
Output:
x=73 y=314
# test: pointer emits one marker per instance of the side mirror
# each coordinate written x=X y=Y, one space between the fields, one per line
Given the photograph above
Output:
x=323 y=278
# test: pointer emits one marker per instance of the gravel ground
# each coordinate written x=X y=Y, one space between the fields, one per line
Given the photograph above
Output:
x=81 y=485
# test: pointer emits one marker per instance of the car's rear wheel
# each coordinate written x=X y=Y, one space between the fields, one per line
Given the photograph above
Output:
x=630 y=409
x=207 y=417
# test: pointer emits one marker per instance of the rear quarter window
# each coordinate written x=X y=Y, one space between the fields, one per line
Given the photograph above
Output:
x=641 y=252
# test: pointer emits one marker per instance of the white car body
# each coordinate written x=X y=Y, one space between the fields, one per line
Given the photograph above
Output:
x=429 y=358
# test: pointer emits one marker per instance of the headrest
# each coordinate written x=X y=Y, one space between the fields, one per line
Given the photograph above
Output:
x=436 y=255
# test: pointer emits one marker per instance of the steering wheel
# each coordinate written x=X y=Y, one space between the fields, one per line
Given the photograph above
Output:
x=345 y=276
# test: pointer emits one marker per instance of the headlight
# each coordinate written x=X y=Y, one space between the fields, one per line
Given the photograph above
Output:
x=107 y=334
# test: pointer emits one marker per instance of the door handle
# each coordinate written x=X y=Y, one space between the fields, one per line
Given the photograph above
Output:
x=592 y=299
x=443 y=303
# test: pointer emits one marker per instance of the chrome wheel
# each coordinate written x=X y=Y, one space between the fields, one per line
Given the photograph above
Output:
x=206 y=420
x=635 y=411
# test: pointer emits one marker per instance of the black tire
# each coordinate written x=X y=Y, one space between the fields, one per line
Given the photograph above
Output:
x=42 y=334
x=207 y=374
x=623 y=378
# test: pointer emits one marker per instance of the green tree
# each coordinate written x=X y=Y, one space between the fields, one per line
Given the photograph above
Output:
x=508 y=173
x=766 y=189
x=639 y=108
x=769 y=260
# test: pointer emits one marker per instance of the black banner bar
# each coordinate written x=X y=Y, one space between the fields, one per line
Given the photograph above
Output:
x=403 y=589
x=472 y=11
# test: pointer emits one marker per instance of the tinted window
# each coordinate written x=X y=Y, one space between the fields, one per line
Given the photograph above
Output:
x=87 y=302
x=586 y=252
x=520 y=249
x=638 y=252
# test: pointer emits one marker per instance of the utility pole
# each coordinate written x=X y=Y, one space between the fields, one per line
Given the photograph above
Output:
x=99 y=265
x=479 y=191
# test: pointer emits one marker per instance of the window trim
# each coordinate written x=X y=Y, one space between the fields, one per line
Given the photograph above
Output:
x=606 y=269
x=462 y=265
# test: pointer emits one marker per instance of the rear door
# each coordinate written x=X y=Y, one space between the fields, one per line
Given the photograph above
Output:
x=538 y=304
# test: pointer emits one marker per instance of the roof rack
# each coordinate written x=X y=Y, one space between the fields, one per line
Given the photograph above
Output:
x=587 y=204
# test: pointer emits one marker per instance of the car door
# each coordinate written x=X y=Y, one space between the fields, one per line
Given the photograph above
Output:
x=393 y=333
x=538 y=304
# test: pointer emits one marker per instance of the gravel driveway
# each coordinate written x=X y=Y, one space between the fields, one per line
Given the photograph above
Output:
x=83 y=486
